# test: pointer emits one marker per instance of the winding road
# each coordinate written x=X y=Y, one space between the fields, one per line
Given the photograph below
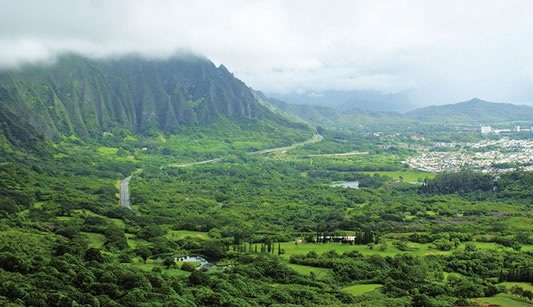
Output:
x=195 y=163
x=125 y=192
x=316 y=138
x=124 y=184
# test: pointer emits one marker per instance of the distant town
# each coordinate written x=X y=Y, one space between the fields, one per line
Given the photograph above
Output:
x=494 y=156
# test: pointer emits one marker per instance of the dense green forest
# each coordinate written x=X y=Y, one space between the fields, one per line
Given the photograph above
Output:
x=270 y=220
x=247 y=211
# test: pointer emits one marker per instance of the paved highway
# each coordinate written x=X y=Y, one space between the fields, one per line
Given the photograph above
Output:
x=125 y=192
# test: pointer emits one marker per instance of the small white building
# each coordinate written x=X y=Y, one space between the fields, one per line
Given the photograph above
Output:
x=486 y=129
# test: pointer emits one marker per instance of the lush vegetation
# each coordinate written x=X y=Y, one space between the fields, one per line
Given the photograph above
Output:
x=273 y=218
x=266 y=227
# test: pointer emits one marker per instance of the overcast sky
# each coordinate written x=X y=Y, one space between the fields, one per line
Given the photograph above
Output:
x=441 y=51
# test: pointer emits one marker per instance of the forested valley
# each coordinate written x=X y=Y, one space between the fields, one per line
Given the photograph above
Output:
x=246 y=210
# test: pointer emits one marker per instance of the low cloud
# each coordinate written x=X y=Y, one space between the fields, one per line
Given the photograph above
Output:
x=445 y=51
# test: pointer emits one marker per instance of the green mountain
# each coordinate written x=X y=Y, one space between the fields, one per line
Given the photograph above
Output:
x=84 y=97
x=473 y=111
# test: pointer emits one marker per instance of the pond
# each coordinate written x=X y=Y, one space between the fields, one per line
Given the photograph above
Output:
x=204 y=264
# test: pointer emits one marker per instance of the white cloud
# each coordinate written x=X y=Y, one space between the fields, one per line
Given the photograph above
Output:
x=447 y=50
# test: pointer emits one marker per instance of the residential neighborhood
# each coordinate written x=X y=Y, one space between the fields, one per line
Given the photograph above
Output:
x=501 y=155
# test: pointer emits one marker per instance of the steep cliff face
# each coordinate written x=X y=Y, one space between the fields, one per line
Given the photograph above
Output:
x=85 y=97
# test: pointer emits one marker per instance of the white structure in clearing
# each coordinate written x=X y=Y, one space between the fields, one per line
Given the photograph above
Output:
x=486 y=129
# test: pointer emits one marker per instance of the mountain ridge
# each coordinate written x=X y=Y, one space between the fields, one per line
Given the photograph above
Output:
x=474 y=111
x=85 y=97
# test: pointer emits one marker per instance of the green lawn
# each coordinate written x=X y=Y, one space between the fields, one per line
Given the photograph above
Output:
x=96 y=240
x=413 y=176
x=138 y=263
x=291 y=248
x=502 y=300
x=304 y=248
x=488 y=245
x=306 y=270
x=133 y=241
x=361 y=289
x=176 y=272
x=180 y=234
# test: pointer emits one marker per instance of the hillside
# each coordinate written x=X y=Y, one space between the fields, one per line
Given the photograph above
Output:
x=473 y=111
x=84 y=97
x=353 y=119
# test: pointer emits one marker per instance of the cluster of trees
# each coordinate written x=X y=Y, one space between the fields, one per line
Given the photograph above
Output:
x=422 y=278
x=519 y=291
x=461 y=182
x=92 y=278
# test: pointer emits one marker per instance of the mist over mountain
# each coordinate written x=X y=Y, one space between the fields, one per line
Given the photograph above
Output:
x=86 y=97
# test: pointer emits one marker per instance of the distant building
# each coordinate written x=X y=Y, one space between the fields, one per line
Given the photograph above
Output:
x=486 y=129
x=501 y=130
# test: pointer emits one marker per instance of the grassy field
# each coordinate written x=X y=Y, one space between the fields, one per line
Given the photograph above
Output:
x=180 y=234
x=176 y=272
x=414 y=176
x=96 y=240
x=306 y=270
x=304 y=248
x=83 y=212
x=361 y=289
x=138 y=263
x=502 y=300
x=413 y=248
x=133 y=241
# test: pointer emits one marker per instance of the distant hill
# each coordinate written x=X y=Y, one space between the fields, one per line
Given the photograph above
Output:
x=473 y=111
x=369 y=101
x=86 y=97
x=328 y=117
x=310 y=113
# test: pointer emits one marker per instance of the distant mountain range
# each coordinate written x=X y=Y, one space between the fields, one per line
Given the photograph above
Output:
x=368 y=101
x=315 y=106
x=473 y=111
x=86 y=97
